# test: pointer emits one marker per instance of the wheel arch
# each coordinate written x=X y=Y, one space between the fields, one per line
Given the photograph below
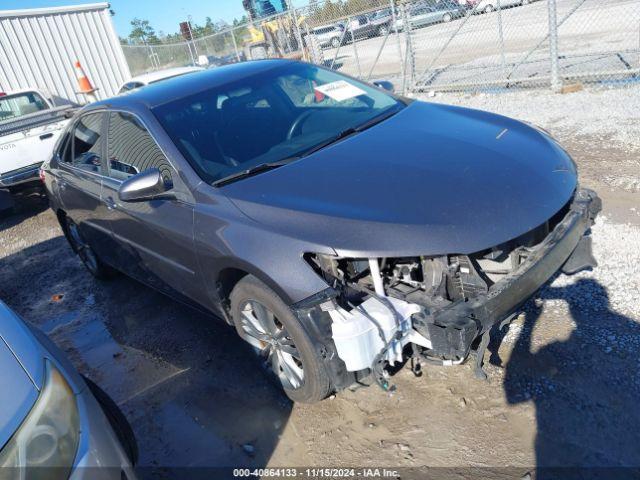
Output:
x=229 y=276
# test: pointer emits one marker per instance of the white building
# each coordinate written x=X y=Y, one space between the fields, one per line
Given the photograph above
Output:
x=39 y=48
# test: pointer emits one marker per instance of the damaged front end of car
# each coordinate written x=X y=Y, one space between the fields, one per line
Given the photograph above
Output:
x=379 y=311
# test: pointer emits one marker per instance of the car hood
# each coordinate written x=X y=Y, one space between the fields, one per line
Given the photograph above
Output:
x=432 y=179
x=19 y=391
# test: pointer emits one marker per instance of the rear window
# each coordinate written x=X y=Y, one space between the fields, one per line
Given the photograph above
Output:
x=20 y=104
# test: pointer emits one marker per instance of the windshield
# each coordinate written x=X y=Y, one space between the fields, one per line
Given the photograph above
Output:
x=14 y=106
x=276 y=115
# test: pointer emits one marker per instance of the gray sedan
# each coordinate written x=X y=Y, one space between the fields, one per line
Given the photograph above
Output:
x=53 y=424
x=330 y=222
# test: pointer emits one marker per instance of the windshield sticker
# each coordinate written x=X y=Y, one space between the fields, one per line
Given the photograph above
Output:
x=340 y=90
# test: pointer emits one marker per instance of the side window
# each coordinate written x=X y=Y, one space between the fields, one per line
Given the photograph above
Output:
x=63 y=148
x=86 y=143
x=131 y=149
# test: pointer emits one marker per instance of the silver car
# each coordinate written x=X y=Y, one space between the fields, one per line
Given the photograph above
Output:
x=423 y=14
x=328 y=35
x=54 y=424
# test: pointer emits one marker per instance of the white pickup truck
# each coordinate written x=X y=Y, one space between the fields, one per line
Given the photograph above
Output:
x=29 y=128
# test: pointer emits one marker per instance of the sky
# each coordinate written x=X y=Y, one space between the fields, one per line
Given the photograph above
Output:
x=164 y=15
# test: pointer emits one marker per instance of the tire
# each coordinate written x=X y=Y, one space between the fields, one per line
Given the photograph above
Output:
x=87 y=255
x=488 y=8
x=526 y=2
x=117 y=420
x=447 y=18
x=335 y=42
x=383 y=31
x=248 y=298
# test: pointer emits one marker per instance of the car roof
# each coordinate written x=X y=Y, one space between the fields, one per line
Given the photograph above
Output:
x=152 y=77
x=182 y=86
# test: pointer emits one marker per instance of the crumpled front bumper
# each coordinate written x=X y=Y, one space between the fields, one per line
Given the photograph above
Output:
x=450 y=332
x=453 y=329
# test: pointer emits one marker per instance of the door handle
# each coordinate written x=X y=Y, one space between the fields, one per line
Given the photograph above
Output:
x=111 y=204
x=44 y=136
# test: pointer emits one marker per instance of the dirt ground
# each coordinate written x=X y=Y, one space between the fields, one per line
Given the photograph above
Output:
x=562 y=391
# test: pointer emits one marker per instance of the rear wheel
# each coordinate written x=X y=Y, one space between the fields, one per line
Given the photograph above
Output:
x=335 y=42
x=264 y=321
x=81 y=247
x=383 y=31
x=446 y=18
x=488 y=8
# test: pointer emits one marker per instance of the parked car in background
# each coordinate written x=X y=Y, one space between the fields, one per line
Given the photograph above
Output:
x=424 y=13
x=212 y=61
x=361 y=27
x=382 y=21
x=157 y=76
x=329 y=35
x=331 y=222
x=54 y=424
x=29 y=128
x=488 y=6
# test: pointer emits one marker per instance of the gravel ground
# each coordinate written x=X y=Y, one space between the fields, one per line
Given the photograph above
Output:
x=563 y=381
x=608 y=116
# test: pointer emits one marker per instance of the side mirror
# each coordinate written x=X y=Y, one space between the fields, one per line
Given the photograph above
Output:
x=147 y=185
x=386 y=85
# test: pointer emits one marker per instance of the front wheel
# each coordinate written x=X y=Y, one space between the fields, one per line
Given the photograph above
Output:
x=488 y=9
x=264 y=321
x=335 y=42
x=447 y=18
x=383 y=31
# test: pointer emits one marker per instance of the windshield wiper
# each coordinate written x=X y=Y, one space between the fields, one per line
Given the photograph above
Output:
x=377 y=119
x=262 y=167
x=350 y=131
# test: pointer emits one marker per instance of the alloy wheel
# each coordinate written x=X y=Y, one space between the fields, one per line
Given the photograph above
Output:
x=272 y=341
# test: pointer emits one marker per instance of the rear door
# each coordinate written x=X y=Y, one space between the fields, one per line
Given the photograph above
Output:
x=79 y=182
x=155 y=237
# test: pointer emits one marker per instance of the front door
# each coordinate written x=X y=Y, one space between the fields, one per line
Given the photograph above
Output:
x=155 y=237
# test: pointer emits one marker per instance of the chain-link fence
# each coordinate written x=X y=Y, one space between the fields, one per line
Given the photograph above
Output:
x=508 y=44
x=424 y=45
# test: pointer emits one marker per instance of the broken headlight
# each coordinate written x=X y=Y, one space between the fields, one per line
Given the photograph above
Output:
x=337 y=269
x=45 y=445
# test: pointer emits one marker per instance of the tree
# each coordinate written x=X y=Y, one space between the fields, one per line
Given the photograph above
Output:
x=142 y=32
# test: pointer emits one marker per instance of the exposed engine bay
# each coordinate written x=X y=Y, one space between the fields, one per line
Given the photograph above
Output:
x=443 y=307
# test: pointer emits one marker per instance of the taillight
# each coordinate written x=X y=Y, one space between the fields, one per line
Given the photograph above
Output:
x=2 y=94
